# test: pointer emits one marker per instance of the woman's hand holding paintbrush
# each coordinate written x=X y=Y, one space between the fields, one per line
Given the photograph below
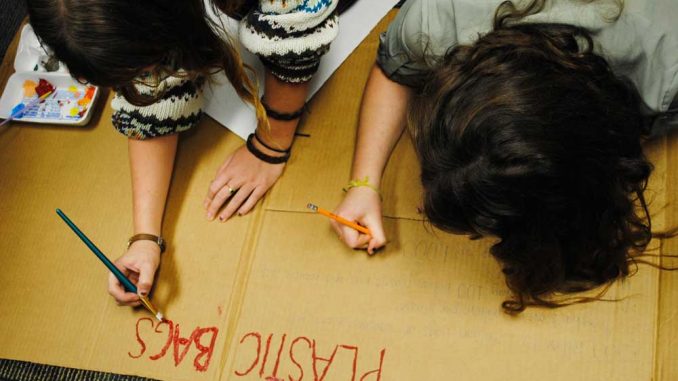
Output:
x=130 y=276
x=139 y=265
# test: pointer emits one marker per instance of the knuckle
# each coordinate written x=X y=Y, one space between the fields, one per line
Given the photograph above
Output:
x=213 y=188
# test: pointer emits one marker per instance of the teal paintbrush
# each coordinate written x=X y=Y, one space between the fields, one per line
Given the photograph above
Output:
x=129 y=286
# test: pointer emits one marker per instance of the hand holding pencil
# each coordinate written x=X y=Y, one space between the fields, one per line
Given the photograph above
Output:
x=362 y=206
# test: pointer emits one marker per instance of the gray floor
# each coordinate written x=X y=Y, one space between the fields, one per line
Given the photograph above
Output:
x=12 y=13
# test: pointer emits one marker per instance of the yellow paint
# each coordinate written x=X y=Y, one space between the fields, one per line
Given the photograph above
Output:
x=74 y=111
x=29 y=88
x=75 y=91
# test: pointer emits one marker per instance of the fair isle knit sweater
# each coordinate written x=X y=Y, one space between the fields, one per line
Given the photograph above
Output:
x=288 y=36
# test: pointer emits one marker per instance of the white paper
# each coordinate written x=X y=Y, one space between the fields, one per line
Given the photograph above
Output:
x=224 y=105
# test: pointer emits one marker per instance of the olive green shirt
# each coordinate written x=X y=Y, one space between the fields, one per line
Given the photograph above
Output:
x=641 y=44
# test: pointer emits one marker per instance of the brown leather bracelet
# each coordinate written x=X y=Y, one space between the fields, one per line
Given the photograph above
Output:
x=148 y=237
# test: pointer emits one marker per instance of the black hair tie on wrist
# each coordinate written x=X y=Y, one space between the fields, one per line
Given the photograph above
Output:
x=256 y=136
x=264 y=157
x=273 y=114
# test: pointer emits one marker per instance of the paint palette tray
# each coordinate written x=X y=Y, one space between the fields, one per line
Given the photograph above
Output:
x=70 y=104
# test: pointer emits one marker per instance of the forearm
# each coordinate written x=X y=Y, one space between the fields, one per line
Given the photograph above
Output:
x=285 y=98
x=151 y=164
x=382 y=120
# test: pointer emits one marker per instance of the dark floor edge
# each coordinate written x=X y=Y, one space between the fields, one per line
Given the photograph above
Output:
x=15 y=370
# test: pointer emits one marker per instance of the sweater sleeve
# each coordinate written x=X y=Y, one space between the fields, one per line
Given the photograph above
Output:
x=290 y=36
x=178 y=109
x=420 y=34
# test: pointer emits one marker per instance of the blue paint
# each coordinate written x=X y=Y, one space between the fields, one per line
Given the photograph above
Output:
x=17 y=110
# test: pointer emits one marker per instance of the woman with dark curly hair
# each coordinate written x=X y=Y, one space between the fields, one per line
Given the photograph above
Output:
x=528 y=121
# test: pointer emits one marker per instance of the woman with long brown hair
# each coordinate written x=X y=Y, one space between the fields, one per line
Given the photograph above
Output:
x=157 y=55
x=527 y=120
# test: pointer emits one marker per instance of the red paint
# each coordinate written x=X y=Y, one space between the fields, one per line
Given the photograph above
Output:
x=141 y=342
x=320 y=365
x=203 y=339
x=179 y=353
x=355 y=358
x=170 y=333
x=318 y=358
x=205 y=351
x=256 y=360
x=301 y=370
x=277 y=359
x=378 y=370
x=43 y=87
x=263 y=363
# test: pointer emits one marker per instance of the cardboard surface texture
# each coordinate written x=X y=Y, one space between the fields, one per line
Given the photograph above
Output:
x=274 y=293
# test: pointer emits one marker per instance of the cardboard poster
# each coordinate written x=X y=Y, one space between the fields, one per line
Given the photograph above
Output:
x=274 y=294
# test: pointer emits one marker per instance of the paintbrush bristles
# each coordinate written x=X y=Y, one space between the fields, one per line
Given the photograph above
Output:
x=313 y=207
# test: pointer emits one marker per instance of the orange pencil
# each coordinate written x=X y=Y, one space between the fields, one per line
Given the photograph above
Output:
x=339 y=219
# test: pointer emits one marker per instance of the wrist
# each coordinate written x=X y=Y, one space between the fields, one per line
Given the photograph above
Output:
x=270 y=148
x=372 y=176
x=146 y=222
x=364 y=182
x=156 y=240
x=145 y=246
x=280 y=157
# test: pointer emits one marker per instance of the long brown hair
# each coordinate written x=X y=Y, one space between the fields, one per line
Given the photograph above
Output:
x=528 y=136
x=114 y=43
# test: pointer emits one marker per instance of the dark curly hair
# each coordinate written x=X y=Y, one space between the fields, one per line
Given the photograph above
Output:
x=527 y=135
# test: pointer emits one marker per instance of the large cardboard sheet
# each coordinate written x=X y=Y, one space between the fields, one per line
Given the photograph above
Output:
x=275 y=293
x=427 y=308
x=55 y=308
x=667 y=316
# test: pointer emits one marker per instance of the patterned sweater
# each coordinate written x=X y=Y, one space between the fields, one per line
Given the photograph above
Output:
x=288 y=36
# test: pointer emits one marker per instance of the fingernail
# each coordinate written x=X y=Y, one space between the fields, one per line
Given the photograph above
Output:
x=222 y=219
x=210 y=216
